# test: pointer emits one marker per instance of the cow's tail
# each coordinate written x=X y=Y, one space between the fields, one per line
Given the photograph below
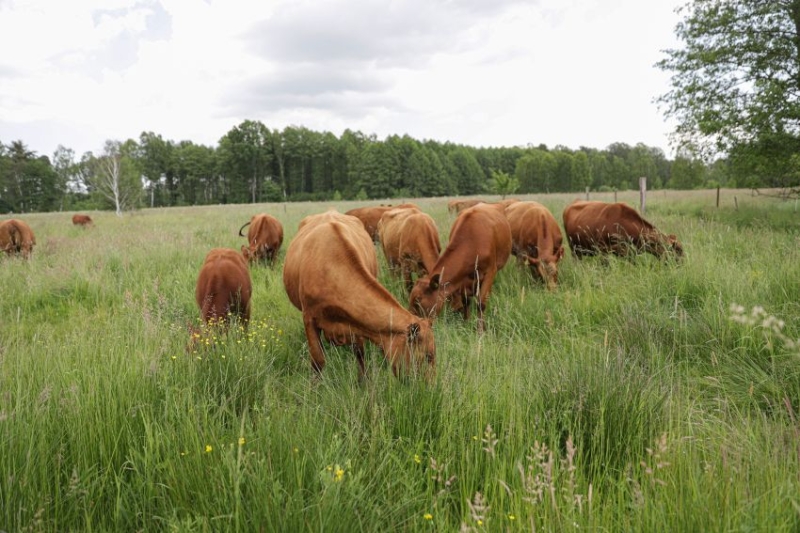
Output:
x=240 y=229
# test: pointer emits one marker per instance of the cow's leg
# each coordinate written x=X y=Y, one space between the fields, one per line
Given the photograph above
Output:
x=484 y=290
x=465 y=301
x=314 y=344
x=358 y=350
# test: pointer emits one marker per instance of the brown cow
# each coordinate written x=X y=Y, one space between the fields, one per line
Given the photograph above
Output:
x=480 y=245
x=265 y=237
x=82 y=220
x=223 y=290
x=370 y=216
x=16 y=238
x=615 y=228
x=330 y=274
x=536 y=239
x=456 y=206
x=410 y=242
x=223 y=287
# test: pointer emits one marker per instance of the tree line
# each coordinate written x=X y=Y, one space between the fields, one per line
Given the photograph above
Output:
x=253 y=163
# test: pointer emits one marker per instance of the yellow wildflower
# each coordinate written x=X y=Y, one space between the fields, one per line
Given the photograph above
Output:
x=417 y=459
x=338 y=475
x=241 y=441
x=208 y=448
x=427 y=516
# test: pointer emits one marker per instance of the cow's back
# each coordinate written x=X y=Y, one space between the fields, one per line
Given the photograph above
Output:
x=532 y=223
x=482 y=230
x=265 y=228
x=223 y=285
x=594 y=218
x=370 y=217
x=16 y=237
x=81 y=220
x=328 y=250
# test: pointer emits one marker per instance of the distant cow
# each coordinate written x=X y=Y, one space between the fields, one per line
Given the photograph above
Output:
x=223 y=287
x=456 y=206
x=536 y=239
x=410 y=242
x=614 y=228
x=264 y=238
x=370 y=216
x=330 y=274
x=16 y=238
x=480 y=245
x=82 y=220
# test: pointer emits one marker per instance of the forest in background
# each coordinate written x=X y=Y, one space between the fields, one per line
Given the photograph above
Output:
x=253 y=163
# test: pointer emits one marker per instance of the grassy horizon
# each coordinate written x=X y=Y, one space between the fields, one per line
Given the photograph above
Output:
x=635 y=397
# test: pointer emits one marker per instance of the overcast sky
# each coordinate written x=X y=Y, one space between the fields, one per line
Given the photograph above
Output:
x=476 y=72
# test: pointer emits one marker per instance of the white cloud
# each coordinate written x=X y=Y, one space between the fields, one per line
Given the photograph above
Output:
x=504 y=73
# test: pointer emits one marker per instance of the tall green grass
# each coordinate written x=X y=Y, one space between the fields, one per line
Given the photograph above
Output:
x=626 y=400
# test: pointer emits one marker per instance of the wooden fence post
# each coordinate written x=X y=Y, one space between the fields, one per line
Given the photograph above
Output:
x=615 y=195
x=717 y=197
x=587 y=193
x=642 y=194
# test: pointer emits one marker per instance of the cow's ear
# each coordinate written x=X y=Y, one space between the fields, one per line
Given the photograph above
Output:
x=413 y=331
x=434 y=284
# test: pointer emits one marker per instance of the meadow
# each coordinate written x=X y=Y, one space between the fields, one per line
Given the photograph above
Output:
x=638 y=396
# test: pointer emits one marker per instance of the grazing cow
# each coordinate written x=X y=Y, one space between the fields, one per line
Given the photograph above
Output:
x=536 y=239
x=265 y=237
x=82 y=220
x=16 y=238
x=223 y=287
x=614 y=228
x=410 y=242
x=370 y=216
x=330 y=275
x=456 y=206
x=480 y=245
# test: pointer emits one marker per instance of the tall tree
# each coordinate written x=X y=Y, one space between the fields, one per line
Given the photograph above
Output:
x=245 y=158
x=64 y=165
x=18 y=155
x=115 y=175
x=470 y=178
x=156 y=158
x=536 y=171
x=687 y=173
x=735 y=85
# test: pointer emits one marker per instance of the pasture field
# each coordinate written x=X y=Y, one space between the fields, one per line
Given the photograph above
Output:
x=629 y=399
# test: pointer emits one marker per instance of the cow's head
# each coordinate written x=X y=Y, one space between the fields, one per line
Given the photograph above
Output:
x=250 y=255
x=427 y=297
x=545 y=267
x=675 y=245
x=414 y=351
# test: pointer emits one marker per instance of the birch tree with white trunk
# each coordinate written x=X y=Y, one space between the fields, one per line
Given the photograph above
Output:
x=115 y=177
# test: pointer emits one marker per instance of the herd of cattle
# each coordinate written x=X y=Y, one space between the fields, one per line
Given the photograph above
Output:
x=330 y=271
